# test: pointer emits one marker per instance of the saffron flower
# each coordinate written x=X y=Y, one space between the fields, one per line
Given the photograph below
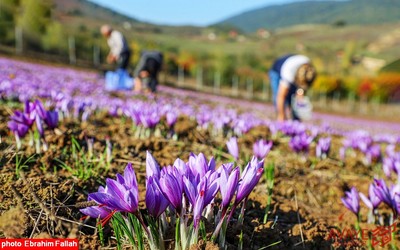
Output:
x=198 y=164
x=300 y=143
x=261 y=148
x=352 y=201
x=19 y=124
x=382 y=191
x=228 y=185
x=152 y=167
x=51 y=119
x=171 y=186
x=373 y=200
x=323 y=147
x=233 y=148
x=97 y=211
x=156 y=202
x=121 y=194
x=199 y=204
x=250 y=177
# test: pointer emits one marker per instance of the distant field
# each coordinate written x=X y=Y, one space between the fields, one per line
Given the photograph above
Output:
x=318 y=41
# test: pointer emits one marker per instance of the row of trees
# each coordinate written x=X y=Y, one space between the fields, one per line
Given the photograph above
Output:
x=40 y=31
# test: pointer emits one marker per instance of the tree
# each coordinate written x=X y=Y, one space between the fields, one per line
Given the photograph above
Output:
x=7 y=19
x=35 y=16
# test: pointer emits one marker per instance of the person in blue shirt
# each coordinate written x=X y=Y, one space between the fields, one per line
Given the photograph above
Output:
x=290 y=75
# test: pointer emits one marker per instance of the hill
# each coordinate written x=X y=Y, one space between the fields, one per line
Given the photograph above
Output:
x=354 y=12
x=84 y=14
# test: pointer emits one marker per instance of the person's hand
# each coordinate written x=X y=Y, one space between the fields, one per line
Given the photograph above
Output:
x=137 y=85
x=280 y=118
x=111 y=58
x=144 y=74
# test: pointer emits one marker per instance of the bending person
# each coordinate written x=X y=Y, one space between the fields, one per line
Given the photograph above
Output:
x=147 y=69
x=119 y=49
x=290 y=75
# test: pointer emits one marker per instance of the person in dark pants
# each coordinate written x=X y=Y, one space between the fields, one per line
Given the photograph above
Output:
x=147 y=70
x=290 y=75
x=119 y=49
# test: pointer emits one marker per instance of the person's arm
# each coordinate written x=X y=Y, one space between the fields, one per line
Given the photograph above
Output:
x=283 y=91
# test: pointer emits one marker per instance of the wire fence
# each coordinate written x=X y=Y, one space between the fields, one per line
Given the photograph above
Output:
x=244 y=88
x=238 y=87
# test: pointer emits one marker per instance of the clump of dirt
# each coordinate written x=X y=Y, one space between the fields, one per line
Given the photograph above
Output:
x=184 y=126
x=13 y=223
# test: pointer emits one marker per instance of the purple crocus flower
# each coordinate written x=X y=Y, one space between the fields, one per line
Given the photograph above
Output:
x=198 y=164
x=323 y=147
x=156 y=202
x=192 y=187
x=121 y=194
x=39 y=109
x=199 y=204
x=385 y=194
x=382 y=191
x=300 y=143
x=152 y=167
x=172 y=187
x=171 y=118
x=391 y=163
x=228 y=185
x=250 y=177
x=261 y=148
x=51 y=119
x=30 y=112
x=19 y=129
x=20 y=123
x=373 y=153
x=97 y=211
x=352 y=201
x=373 y=201
x=233 y=148
x=212 y=186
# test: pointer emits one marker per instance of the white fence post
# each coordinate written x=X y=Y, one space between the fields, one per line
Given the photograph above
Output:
x=199 y=78
x=265 y=91
x=181 y=76
x=351 y=100
x=72 y=50
x=96 y=55
x=249 y=87
x=19 y=43
x=235 y=85
x=217 y=82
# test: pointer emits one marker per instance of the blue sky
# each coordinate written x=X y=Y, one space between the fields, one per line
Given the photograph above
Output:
x=182 y=12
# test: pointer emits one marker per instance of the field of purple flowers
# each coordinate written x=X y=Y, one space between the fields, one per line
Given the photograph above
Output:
x=185 y=170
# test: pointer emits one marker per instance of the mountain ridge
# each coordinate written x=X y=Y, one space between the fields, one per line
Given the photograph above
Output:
x=352 y=12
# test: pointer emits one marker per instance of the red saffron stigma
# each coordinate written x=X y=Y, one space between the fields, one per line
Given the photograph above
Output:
x=84 y=217
x=107 y=218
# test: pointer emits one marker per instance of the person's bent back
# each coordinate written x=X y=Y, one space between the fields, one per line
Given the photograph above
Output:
x=147 y=70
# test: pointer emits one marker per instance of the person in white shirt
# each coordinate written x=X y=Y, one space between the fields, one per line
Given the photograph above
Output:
x=119 y=49
x=290 y=74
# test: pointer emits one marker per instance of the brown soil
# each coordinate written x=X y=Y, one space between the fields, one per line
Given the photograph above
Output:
x=43 y=198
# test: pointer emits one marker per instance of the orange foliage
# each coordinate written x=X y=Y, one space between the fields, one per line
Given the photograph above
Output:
x=366 y=87
x=325 y=83
x=387 y=83
x=187 y=61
